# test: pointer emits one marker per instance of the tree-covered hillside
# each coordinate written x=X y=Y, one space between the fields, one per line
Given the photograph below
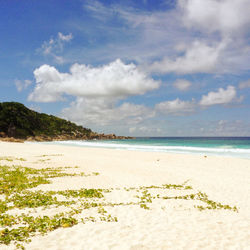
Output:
x=20 y=122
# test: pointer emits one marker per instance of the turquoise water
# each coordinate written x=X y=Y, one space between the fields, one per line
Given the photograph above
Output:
x=226 y=146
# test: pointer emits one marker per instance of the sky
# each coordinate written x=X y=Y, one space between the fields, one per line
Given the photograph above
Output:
x=131 y=67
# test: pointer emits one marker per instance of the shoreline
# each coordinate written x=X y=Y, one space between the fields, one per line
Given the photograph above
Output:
x=223 y=179
x=224 y=149
x=241 y=153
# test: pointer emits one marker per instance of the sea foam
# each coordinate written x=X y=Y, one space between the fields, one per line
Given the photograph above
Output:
x=226 y=150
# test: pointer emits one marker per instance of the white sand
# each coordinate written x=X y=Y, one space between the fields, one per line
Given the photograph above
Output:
x=168 y=224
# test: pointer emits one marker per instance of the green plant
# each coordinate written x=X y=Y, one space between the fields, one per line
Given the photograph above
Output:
x=16 y=183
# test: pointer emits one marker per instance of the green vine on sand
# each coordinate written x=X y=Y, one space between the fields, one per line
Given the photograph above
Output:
x=16 y=183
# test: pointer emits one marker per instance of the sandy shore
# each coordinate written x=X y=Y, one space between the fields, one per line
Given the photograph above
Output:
x=168 y=223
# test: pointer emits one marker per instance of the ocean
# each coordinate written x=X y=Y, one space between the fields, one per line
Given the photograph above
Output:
x=225 y=146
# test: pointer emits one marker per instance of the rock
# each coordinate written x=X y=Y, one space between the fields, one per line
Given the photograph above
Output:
x=73 y=135
x=31 y=138
x=38 y=138
x=11 y=139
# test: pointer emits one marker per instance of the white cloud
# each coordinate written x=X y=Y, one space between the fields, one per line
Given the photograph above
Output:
x=142 y=36
x=21 y=85
x=229 y=128
x=112 y=80
x=202 y=36
x=54 y=47
x=132 y=130
x=222 y=96
x=199 y=58
x=63 y=37
x=47 y=46
x=182 y=84
x=98 y=92
x=106 y=114
x=98 y=10
x=222 y=128
x=35 y=108
x=214 y=34
x=175 y=107
x=229 y=17
x=105 y=111
x=48 y=81
x=145 y=131
x=245 y=84
x=102 y=112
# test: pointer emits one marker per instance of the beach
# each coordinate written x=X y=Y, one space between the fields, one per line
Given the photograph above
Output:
x=150 y=200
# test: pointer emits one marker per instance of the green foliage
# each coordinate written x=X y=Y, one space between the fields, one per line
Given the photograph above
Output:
x=16 y=179
x=146 y=197
x=33 y=225
x=15 y=189
x=3 y=206
x=203 y=198
x=10 y=158
x=34 y=199
x=87 y=193
x=30 y=123
x=143 y=205
x=15 y=184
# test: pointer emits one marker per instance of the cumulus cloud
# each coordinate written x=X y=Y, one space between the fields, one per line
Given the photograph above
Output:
x=21 y=85
x=225 y=16
x=55 y=46
x=198 y=58
x=112 y=80
x=182 y=84
x=222 y=96
x=245 y=84
x=98 y=92
x=105 y=111
x=175 y=107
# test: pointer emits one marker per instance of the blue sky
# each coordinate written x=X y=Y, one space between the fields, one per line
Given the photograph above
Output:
x=143 y=68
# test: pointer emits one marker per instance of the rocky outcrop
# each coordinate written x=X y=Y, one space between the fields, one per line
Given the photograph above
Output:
x=66 y=137
x=11 y=139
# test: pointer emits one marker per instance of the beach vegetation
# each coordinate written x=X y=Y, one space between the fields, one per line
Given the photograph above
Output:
x=50 y=155
x=18 y=121
x=17 y=193
x=16 y=188
x=143 y=205
x=11 y=158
